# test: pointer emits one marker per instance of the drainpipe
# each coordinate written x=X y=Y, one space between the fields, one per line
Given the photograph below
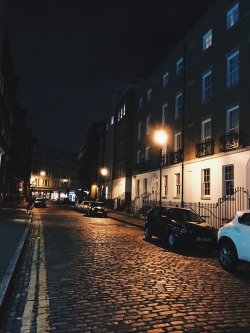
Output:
x=183 y=123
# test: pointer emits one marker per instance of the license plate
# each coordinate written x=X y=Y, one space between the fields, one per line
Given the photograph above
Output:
x=203 y=239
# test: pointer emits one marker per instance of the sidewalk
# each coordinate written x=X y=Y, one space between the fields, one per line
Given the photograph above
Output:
x=14 y=228
x=127 y=218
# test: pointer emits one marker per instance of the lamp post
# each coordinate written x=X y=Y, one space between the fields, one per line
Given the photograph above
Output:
x=160 y=137
x=104 y=172
x=42 y=174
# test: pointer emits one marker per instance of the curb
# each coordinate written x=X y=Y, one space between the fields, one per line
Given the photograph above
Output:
x=10 y=271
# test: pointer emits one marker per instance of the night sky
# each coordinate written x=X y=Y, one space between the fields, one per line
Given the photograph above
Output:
x=71 y=55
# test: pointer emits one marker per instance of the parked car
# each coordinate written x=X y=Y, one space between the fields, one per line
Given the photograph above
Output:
x=84 y=205
x=96 y=208
x=234 y=241
x=40 y=202
x=179 y=226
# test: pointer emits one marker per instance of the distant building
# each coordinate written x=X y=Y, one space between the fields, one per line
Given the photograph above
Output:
x=90 y=162
x=53 y=173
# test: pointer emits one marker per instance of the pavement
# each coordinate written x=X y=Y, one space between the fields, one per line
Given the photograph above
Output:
x=14 y=230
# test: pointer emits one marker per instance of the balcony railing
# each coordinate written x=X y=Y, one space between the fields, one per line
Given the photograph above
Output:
x=205 y=148
x=232 y=140
x=172 y=157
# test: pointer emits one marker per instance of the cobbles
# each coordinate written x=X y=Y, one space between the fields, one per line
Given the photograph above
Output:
x=102 y=276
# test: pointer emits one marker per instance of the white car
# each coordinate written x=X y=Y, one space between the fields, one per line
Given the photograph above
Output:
x=234 y=241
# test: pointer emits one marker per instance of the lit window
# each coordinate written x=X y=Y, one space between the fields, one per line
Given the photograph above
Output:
x=206 y=130
x=165 y=79
x=228 y=173
x=233 y=119
x=138 y=156
x=179 y=66
x=207 y=87
x=177 y=184
x=148 y=125
x=165 y=185
x=233 y=69
x=149 y=95
x=178 y=105
x=177 y=141
x=112 y=120
x=233 y=16
x=206 y=182
x=164 y=113
x=147 y=153
x=145 y=185
x=138 y=187
x=140 y=102
x=139 y=131
x=207 y=40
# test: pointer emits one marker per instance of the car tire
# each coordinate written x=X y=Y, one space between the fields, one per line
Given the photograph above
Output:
x=172 y=240
x=228 y=257
x=147 y=233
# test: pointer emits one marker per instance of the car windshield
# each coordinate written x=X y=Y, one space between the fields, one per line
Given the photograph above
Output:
x=96 y=204
x=185 y=215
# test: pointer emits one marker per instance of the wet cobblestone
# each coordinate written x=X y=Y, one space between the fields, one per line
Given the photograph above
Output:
x=102 y=276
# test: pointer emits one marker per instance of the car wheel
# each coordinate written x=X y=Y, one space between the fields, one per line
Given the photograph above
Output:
x=172 y=240
x=228 y=257
x=147 y=233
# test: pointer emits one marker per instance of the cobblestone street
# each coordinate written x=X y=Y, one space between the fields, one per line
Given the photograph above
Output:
x=98 y=275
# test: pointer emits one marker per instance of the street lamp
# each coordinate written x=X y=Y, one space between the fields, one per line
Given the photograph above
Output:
x=104 y=172
x=160 y=137
x=42 y=174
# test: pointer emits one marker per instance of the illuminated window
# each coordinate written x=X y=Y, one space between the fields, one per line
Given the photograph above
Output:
x=140 y=102
x=178 y=105
x=206 y=130
x=149 y=95
x=233 y=16
x=177 y=184
x=147 y=153
x=206 y=182
x=228 y=173
x=179 y=66
x=207 y=86
x=138 y=187
x=165 y=184
x=148 y=125
x=138 y=156
x=233 y=69
x=233 y=119
x=139 y=131
x=165 y=80
x=207 y=40
x=112 y=120
x=177 y=141
x=164 y=113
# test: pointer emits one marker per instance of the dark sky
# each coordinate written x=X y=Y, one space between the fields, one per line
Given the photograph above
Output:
x=70 y=55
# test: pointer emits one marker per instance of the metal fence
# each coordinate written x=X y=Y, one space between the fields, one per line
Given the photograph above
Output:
x=214 y=213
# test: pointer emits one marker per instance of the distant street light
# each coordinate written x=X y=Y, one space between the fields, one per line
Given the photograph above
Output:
x=160 y=137
x=104 y=173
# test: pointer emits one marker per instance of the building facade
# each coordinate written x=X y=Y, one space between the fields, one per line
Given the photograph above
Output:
x=199 y=96
x=16 y=140
x=90 y=161
x=53 y=173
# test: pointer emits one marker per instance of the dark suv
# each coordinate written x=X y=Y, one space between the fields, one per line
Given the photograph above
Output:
x=179 y=226
x=96 y=208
